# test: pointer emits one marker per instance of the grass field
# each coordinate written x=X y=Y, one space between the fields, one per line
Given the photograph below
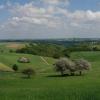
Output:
x=5 y=68
x=7 y=46
x=35 y=61
x=48 y=85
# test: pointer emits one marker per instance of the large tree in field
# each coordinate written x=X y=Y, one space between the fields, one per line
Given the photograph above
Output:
x=82 y=65
x=29 y=72
x=63 y=65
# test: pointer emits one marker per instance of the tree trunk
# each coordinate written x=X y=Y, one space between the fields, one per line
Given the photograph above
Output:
x=62 y=73
x=29 y=76
x=80 y=73
x=72 y=73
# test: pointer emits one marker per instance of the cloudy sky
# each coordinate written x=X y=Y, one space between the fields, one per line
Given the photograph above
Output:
x=32 y=19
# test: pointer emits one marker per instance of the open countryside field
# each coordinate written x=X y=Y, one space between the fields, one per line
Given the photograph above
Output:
x=49 y=49
x=36 y=62
x=7 y=46
x=47 y=84
x=5 y=68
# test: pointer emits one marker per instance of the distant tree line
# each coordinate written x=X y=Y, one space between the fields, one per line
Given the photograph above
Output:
x=49 y=50
x=56 y=51
x=85 y=47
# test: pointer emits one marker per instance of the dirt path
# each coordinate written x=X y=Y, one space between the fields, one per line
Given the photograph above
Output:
x=45 y=61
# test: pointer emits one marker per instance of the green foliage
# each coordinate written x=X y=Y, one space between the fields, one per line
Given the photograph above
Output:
x=35 y=61
x=49 y=85
x=11 y=51
x=85 y=46
x=56 y=56
x=15 y=67
x=48 y=50
x=28 y=72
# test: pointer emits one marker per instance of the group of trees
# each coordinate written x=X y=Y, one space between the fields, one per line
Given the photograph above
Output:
x=85 y=46
x=48 y=50
x=54 y=50
x=65 y=65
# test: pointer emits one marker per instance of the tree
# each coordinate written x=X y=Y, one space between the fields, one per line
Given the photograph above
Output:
x=2 y=51
x=56 y=56
x=81 y=65
x=63 y=65
x=28 y=72
x=15 y=67
x=11 y=51
x=66 y=53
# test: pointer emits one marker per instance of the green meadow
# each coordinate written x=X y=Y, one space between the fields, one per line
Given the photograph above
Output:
x=47 y=84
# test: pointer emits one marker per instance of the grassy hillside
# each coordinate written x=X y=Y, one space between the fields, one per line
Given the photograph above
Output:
x=36 y=62
x=5 y=47
x=5 y=68
x=49 y=86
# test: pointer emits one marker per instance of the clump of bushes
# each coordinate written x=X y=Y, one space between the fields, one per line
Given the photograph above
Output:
x=64 y=65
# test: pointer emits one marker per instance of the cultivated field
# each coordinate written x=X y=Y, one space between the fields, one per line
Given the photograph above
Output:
x=47 y=84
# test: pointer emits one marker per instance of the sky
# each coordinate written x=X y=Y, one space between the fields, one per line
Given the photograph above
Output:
x=43 y=19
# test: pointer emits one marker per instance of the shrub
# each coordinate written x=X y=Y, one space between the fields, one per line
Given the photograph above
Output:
x=15 y=67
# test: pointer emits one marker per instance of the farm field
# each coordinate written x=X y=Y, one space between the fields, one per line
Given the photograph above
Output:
x=47 y=84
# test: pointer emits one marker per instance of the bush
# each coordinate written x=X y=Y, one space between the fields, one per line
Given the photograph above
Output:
x=15 y=67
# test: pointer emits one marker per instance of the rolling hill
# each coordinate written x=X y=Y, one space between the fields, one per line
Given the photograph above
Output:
x=40 y=64
x=5 y=68
x=47 y=84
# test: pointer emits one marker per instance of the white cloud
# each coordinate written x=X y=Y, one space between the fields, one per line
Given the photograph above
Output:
x=52 y=20
x=56 y=1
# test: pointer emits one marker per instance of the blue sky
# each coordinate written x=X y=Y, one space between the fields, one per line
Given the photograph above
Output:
x=85 y=4
x=21 y=19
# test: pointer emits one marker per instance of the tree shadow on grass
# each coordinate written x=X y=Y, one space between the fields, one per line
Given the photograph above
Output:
x=25 y=77
x=65 y=75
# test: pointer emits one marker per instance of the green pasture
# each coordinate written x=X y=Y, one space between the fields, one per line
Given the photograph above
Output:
x=47 y=84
